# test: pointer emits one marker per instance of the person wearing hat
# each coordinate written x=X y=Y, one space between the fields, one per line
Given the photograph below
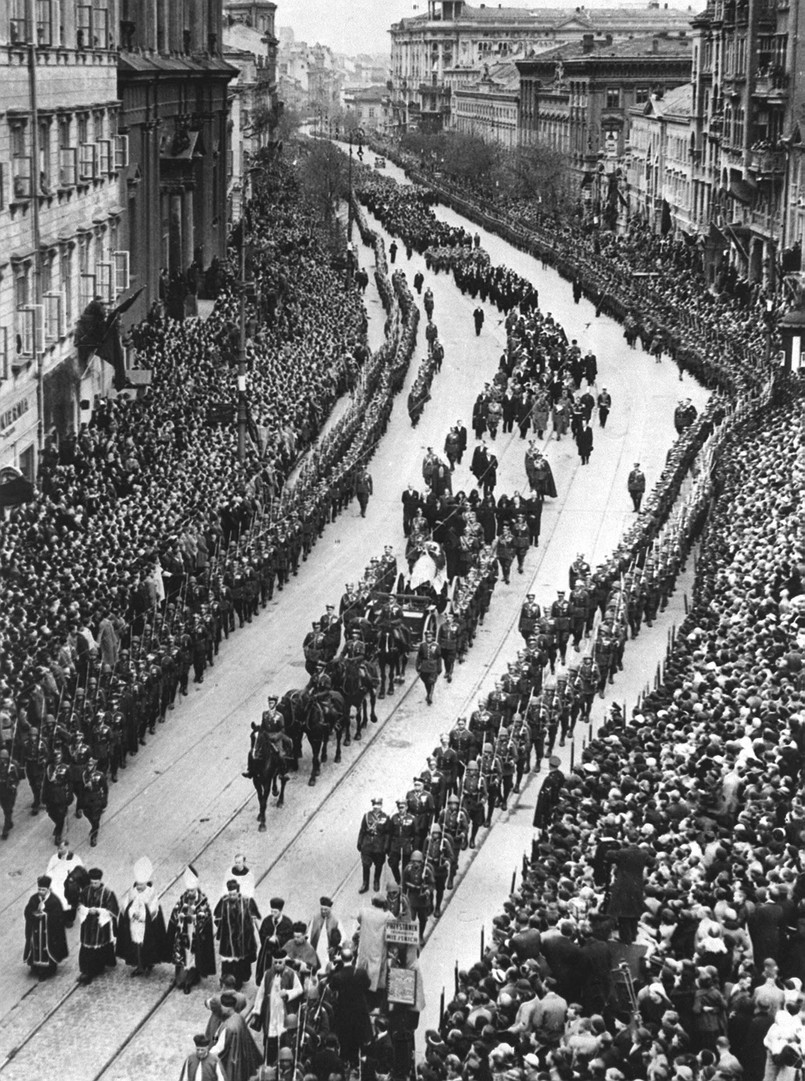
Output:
x=45 y=938
x=363 y=488
x=325 y=932
x=298 y=951
x=94 y=797
x=402 y=834
x=276 y=931
x=636 y=484
x=429 y=664
x=234 y=1044
x=141 y=936
x=200 y=1064
x=235 y=919
x=373 y=843
x=190 y=935
x=549 y=793
x=279 y=987
x=98 y=913
x=417 y=886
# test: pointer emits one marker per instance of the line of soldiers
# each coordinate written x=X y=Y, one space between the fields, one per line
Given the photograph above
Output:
x=419 y=394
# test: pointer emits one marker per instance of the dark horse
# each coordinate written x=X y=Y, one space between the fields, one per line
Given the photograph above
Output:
x=269 y=770
x=392 y=653
x=357 y=681
x=322 y=713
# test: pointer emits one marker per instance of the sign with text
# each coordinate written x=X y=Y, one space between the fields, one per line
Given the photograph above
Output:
x=402 y=933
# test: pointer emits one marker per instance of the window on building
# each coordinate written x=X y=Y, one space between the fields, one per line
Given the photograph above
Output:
x=83 y=128
x=613 y=97
x=641 y=95
x=19 y=22
x=45 y=184
x=44 y=23
x=20 y=161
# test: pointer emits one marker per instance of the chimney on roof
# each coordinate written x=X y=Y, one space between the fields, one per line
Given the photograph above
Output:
x=587 y=43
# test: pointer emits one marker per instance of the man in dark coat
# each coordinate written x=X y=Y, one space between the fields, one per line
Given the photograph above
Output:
x=549 y=793
x=429 y=664
x=276 y=931
x=478 y=319
x=351 y=1014
x=564 y=957
x=45 y=939
x=584 y=441
x=98 y=912
x=626 y=895
x=636 y=484
x=373 y=842
x=235 y=917
x=234 y=1045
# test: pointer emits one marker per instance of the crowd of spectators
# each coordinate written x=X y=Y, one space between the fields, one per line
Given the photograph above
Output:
x=146 y=524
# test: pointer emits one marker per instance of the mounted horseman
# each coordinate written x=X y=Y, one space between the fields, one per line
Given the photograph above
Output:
x=270 y=750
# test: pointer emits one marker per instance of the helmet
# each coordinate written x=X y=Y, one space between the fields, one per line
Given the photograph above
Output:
x=472 y=766
x=453 y=799
x=416 y=857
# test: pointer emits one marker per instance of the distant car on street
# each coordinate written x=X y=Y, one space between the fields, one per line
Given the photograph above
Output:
x=380 y=163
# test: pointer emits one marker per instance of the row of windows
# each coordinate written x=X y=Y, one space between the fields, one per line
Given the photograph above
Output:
x=71 y=276
x=83 y=24
x=72 y=149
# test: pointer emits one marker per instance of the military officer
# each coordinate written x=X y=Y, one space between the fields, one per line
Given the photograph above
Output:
x=373 y=842
x=440 y=857
x=94 y=797
x=429 y=664
x=402 y=830
x=58 y=793
x=417 y=885
x=9 y=780
x=561 y=613
x=448 y=640
x=420 y=804
x=529 y=617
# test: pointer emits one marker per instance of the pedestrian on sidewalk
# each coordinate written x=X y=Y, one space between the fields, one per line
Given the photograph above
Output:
x=419 y=280
x=637 y=486
x=393 y=252
x=478 y=319
x=363 y=488
x=604 y=406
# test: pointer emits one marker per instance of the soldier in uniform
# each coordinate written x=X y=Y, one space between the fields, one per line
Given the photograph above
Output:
x=402 y=830
x=9 y=781
x=482 y=725
x=58 y=793
x=521 y=540
x=578 y=603
x=636 y=483
x=417 y=885
x=448 y=640
x=198 y=647
x=546 y=641
x=529 y=617
x=272 y=728
x=505 y=755
x=373 y=842
x=440 y=858
x=474 y=794
x=579 y=569
x=463 y=743
x=561 y=613
x=420 y=805
x=354 y=648
x=429 y=664
x=446 y=758
x=456 y=827
x=536 y=723
x=313 y=647
x=35 y=756
x=94 y=797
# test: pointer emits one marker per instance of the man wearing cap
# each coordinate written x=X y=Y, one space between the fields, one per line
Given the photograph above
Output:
x=373 y=842
x=325 y=932
x=549 y=793
x=276 y=931
x=141 y=938
x=429 y=664
x=420 y=805
x=94 y=797
x=279 y=987
x=234 y=1045
x=200 y=1065
x=190 y=935
x=298 y=951
x=45 y=939
x=402 y=831
x=98 y=913
x=636 y=484
x=235 y=918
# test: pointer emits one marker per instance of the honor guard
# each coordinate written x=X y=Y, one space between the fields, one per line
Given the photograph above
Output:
x=373 y=843
x=440 y=858
x=402 y=831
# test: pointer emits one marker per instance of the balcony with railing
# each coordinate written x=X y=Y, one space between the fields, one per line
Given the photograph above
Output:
x=765 y=161
x=771 y=84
